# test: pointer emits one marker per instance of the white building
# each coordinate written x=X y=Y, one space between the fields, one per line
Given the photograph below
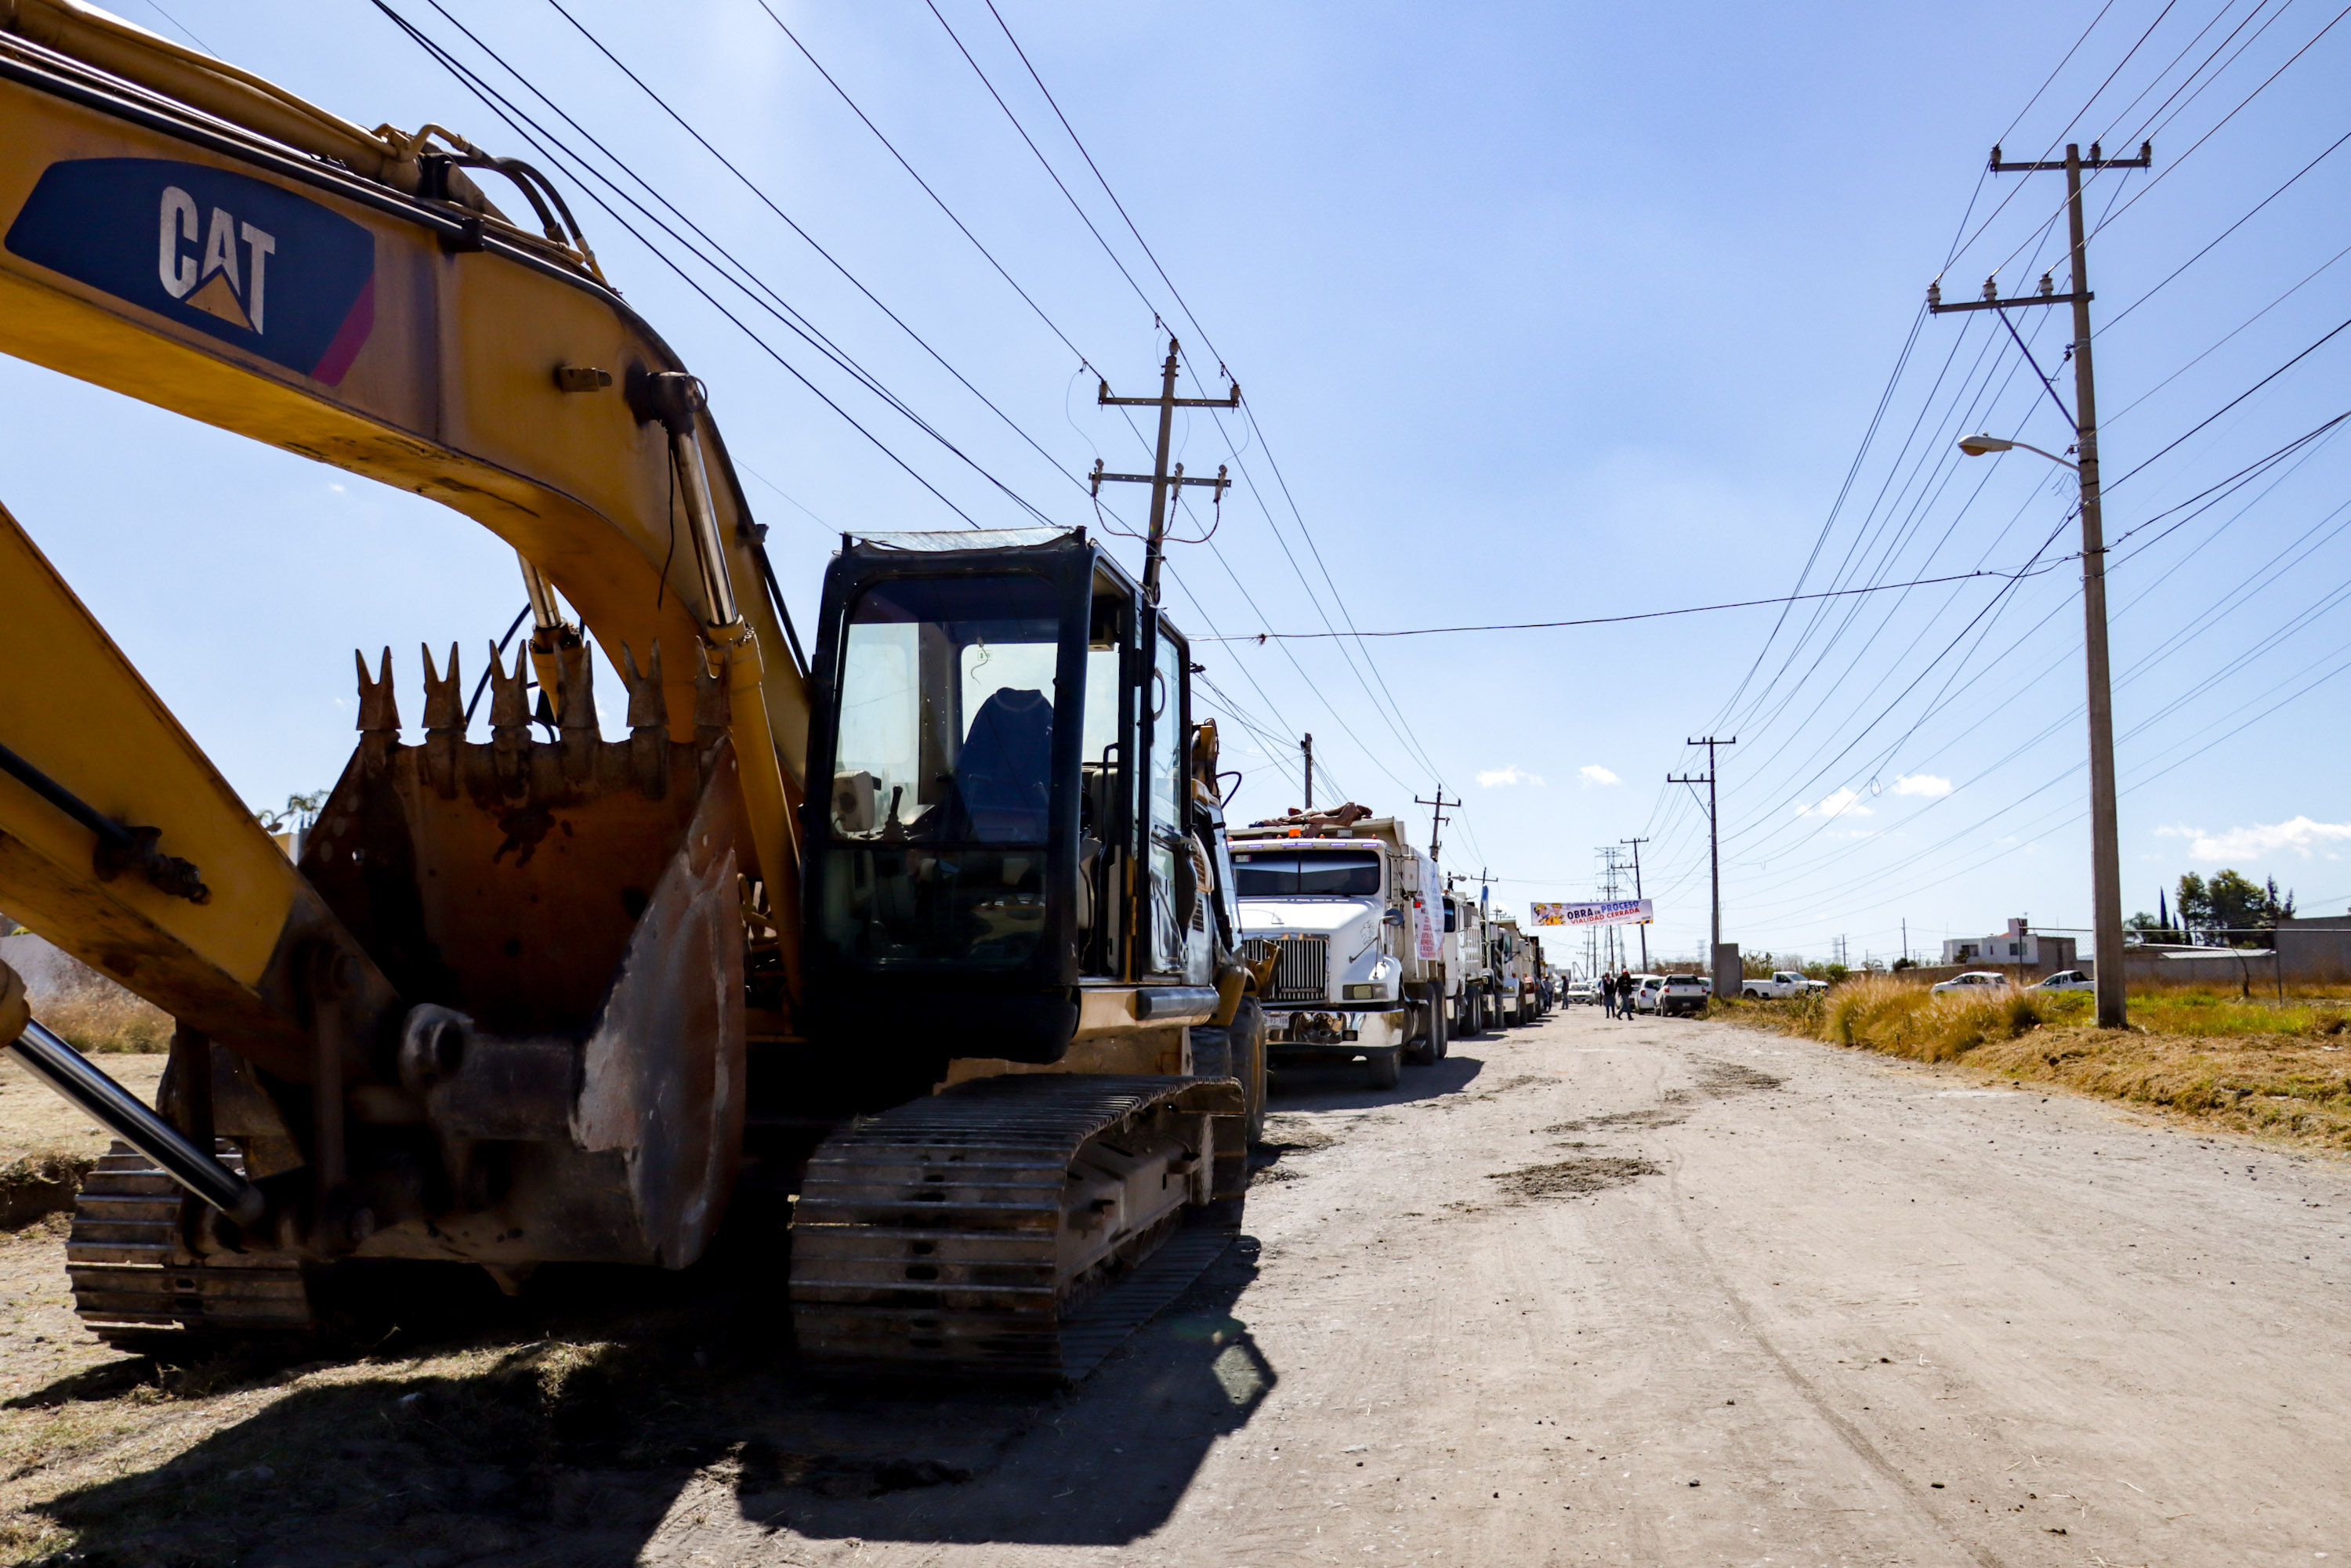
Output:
x=2016 y=945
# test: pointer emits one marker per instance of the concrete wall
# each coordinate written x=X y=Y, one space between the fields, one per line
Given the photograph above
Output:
x=2315 y=951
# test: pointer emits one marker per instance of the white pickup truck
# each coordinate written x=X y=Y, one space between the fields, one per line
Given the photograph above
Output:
x=1782 y=983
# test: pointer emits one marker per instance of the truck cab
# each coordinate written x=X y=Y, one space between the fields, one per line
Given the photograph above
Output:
x=1355 y=915
x=1512 y=959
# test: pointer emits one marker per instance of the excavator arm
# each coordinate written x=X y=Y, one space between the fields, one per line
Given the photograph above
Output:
x=497 y=1013
x=184 y=232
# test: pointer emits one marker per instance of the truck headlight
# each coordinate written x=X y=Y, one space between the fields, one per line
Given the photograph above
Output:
x=1365 y=993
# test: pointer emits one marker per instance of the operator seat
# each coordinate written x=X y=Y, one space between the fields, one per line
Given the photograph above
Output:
x=1004 y=776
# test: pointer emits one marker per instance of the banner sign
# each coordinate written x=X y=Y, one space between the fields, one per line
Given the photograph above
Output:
x=1616 y=912
x=1428 y=915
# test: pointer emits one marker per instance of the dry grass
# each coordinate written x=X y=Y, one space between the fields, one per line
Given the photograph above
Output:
x=34 y=1186
x=2279 y=1069
x=97 y=1014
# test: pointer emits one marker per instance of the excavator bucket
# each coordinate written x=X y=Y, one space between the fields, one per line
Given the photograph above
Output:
x=565 y=921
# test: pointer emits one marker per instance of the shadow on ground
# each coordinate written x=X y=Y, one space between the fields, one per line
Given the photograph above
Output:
x=607 y=1402
x=1343 y=1087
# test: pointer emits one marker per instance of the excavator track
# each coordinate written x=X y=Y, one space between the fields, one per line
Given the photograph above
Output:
x=135 y=1282
x=1005 y=1228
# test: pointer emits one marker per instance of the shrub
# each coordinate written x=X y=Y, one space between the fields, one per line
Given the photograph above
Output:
x=94 y=1014
x=1878 y=1012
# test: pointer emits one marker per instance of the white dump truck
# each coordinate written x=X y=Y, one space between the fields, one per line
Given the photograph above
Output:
x=1468 y=970
x=1355 y=916
x=1513 y=964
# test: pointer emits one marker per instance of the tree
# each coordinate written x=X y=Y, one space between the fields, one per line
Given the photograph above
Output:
x=2231 y=910
x=300 y=812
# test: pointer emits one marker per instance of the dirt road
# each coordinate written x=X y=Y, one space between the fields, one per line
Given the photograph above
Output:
x=1654 y=1293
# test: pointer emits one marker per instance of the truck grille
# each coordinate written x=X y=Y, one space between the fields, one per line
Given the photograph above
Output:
x=1304 y=973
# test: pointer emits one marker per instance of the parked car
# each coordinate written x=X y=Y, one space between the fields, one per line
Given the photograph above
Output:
x=1645 y=992
x=1782 y=983
x=2066 y=980
x=1682 y=994
x=1582 y=991
x=1974 y=980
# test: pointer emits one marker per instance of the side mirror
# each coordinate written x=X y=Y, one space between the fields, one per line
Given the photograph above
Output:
x=1395 y=916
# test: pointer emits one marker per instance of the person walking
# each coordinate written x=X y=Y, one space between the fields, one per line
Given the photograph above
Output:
x=1606 y=987
x=1624 y=989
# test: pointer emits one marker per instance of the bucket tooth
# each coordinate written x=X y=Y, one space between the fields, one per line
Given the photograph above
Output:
x=443 y=708
x=378 y=722
x=710 y=702
x=648 y=721
x=379 y=709
x=575 y=703
x=575 y=690
x=445 y=724
x=509 y=722
x=648 y=709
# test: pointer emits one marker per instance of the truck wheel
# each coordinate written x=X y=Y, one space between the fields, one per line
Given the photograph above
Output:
x=1427 y=1045
x=1388 y=1067
x=1415 y=1049
x=1248 y=1035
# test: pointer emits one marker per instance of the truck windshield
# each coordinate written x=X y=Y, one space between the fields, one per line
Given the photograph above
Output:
x=1306 y=873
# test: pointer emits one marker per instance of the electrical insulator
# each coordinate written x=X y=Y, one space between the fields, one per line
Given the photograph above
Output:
x=1991 y=287
x=2046 y=287
x=1934 y=293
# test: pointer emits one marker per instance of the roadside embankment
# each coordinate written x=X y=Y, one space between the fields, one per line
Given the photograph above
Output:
x=47 y=1147
x=2280 y=1070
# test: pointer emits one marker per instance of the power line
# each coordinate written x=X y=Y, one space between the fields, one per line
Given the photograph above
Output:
x=537 y=136
x=2240 y=397
x=1644 y=615
x=1390 y=711
x=2224 y=233
x=768 y=201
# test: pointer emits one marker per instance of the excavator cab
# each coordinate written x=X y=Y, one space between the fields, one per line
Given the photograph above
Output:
x=1003 y=721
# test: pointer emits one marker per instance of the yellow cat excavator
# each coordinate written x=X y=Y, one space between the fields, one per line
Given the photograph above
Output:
x=936 y=923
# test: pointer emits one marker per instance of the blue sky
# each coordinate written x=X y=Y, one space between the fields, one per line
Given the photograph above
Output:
x=1541 y=313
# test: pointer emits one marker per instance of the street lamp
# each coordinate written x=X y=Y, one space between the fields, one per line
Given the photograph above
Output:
x=1979 y=446
x=2105 y=849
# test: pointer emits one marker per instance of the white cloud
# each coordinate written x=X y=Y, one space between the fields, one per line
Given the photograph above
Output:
x=2300 y=834
x=1843 y=803
x=1513 y=774
x=1595 y=774
x=1925 y=784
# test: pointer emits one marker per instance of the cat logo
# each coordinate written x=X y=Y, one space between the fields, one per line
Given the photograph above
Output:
x=235 y=258
x=212 y=288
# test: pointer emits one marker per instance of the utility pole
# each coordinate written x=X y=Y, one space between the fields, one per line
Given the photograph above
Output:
x=1435 y=818
x=1306 y=745
x=2105 y=849
x=1608 y=891
x=1713 y=838
x=1637 y=844
x=1163 y=484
